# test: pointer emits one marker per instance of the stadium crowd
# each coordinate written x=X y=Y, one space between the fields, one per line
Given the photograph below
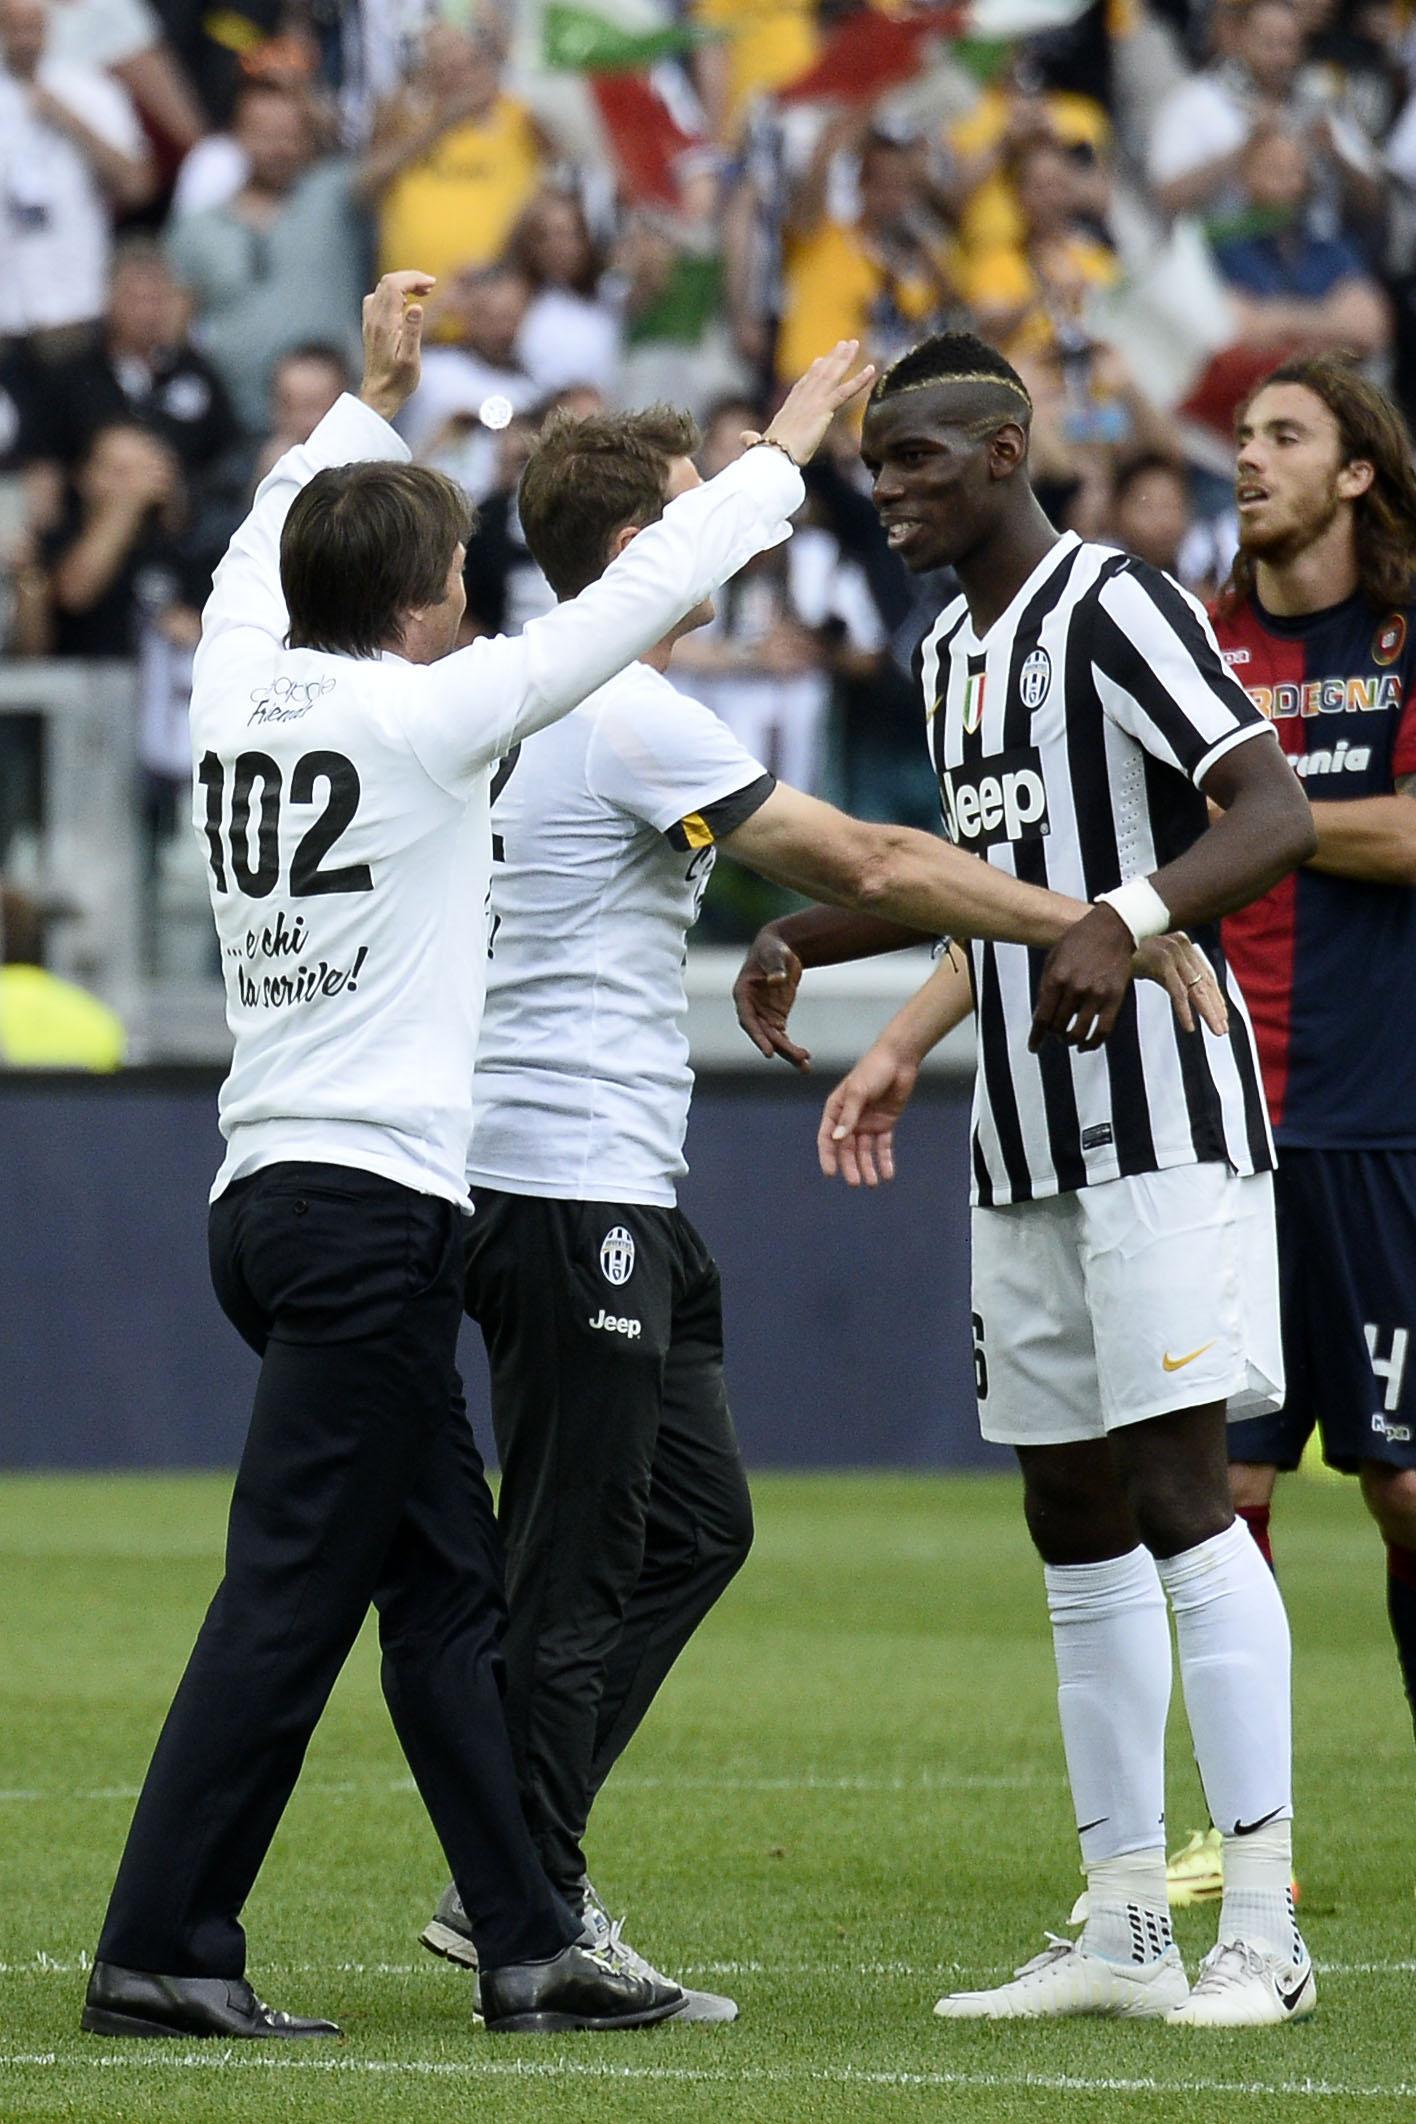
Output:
x=1143 y=203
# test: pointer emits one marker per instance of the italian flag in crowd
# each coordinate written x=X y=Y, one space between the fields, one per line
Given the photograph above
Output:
x=616 y=46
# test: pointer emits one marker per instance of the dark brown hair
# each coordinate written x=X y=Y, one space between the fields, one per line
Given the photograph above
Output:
x=519 y=251
x=587 y=479
x=362 y=546
x=1369 y=427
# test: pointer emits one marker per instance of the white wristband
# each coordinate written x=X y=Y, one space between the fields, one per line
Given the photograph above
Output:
x=1140 y=907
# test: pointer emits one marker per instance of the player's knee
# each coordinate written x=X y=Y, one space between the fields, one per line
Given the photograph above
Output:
x=1390 y=1495
x=1072 y=1524
x=1174 y=1515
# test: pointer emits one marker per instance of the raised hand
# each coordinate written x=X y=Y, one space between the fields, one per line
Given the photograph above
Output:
x=393 y=341
x=816 y=398
x=856 y=1138
x=763 y=995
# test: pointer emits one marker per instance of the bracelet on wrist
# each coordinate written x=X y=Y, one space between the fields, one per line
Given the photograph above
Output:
x=770 y=442
x=1140 y=907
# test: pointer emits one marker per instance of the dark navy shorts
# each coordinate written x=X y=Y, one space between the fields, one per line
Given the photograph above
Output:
x=1347 y=1274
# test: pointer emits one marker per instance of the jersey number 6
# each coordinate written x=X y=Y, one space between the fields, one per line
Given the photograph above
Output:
x=306 y=877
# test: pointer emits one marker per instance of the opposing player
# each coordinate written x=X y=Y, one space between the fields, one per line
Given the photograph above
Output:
x=1316 y=623
x=624 y=1505
x=1125 y=1286
x=343 y=764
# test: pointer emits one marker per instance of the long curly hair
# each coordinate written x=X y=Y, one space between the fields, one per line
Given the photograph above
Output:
x=1369 y=427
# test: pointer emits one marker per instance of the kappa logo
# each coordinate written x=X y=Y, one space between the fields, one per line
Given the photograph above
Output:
x=1397 y=1433
x=631 y=1329
x=617 y=1256
x=1235 y=656
x=1002 y=799
x=1035 y=678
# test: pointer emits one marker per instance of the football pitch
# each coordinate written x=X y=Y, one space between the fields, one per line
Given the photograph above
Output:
x=849 y=1798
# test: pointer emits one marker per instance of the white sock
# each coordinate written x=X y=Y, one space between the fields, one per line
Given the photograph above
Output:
x=1232 y=1636
x=1112 y=1640
x=1258 y=1892
x=1128 y=1908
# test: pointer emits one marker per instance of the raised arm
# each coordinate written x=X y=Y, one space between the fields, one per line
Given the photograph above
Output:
x=246 y=598
x=490 y=695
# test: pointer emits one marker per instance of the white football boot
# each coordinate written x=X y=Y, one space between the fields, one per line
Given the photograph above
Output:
x=1065 y=1979
x=1248 y=1987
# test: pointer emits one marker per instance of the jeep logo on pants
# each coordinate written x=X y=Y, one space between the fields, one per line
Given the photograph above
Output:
x=1000 y=799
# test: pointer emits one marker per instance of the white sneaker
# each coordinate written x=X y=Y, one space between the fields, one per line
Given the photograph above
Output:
x=1247 y=1987
x=604 y=1931
x=1065 y=1979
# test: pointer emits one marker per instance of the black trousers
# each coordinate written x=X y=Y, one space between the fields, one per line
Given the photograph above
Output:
x=359 y=1480
x=624 y=1507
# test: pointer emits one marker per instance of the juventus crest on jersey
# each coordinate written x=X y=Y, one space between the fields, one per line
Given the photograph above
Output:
x=1070 y=743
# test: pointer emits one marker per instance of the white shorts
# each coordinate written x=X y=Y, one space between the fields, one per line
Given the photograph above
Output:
x=1126 y=1300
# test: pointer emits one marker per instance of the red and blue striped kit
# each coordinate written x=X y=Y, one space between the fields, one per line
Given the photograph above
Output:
x=1328 y=965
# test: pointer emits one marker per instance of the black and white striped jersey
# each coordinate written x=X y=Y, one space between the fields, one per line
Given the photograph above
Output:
x=1070 y=742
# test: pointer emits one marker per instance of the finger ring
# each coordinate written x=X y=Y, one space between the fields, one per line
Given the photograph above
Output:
x=1196 y=982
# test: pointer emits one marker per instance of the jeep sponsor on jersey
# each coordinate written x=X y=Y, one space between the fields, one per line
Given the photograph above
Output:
x=999 y=799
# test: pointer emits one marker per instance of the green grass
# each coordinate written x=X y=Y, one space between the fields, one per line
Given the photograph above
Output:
x=850 y=1796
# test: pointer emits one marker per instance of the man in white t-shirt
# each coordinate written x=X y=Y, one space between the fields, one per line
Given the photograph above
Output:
x=624 y=1506
x=343 y=763
x=71 y=151
x=1203 y=128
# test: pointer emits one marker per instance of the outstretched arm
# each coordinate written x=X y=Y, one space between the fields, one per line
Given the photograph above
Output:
x=490 y=695
x=919 y=884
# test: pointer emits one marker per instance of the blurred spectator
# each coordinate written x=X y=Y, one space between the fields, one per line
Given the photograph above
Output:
x=144 y=371
x=471 y=389
x=304 y=385
x=757 y=664
x=218 y=166
x=505 y=586
x=1197 y=148
x=46 y=1023
x=282 y=262
x=71 y=154
x=124 y=515
x=125 y=38
x=1030 y=297
x=1150 y=514
x=571 y=334
x=883 y=275
x=1088 y=413
x=453 y=158
x=1153 y=516
x=24 y=592
x=1299 y=291
x=756 y=50
x=1015 y=110
x=677 y=341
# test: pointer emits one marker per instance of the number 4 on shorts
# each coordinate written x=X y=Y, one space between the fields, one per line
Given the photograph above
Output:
x=1393 y=1368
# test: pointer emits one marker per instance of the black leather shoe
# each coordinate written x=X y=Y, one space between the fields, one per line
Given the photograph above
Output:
x=577 y=1988
x=129 y=2002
